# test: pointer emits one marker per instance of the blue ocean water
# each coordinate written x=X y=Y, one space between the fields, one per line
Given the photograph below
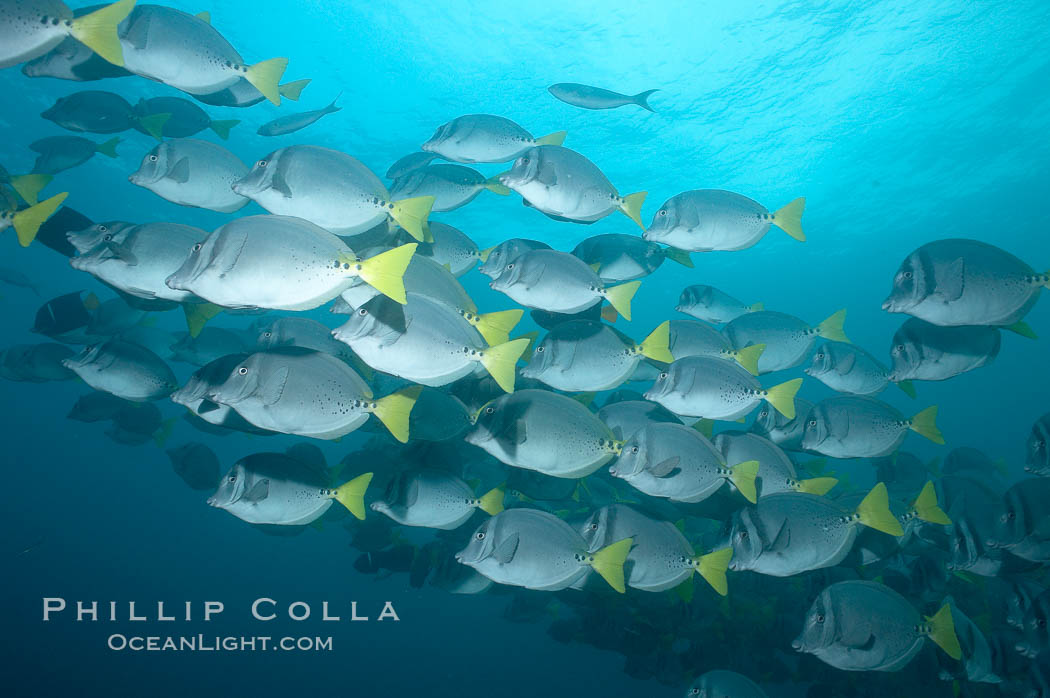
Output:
x=900 y=122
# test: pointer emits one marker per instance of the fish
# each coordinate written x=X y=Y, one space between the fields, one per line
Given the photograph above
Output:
x=661 y=557
x=194 y=173
x=588 y=97
x=427 y=342
x=212 y=343
x=139 y=423
x=543 y=431
x=96 y=406
x=855 y=426
x=196 y=464
x=66 y=317
x=245 y=264
x=688 y=338
x=965 y=282
x=846 y=368
x=1024 y=525
x=86 y=239
x=785 y=433
x=922 y=351
x=275 y=489
x=13 y=277
x=72 y=60
x=91 y=111
x=706 y=220
x=409 y=163
x=35 y=363
x=709 y=304
x=290 y=123
x=27 y=222
x=866 y=626
x=175 y=117
x=1037 y=452
x=126 y=370
x=536 y=550
x=330 y=189
x=451 y=186
x=451 y=247
x=484 y=138
x=788 y=533
x=710 y=388
x=138 y=259
x=495 y=259
x=301 y=332
x=32 y=28
x=618 y=257
x=679 y=463
x=626 y=417
x=776 y=472
x=560 y=283
x=193 y=396
x=438 y=417
x=565 y=185
x=581 y=355
x=59 y=153
x=242 y=94
x=720 y=683
x=788 y=340
x=308 y=393
x=185 y=52
x=435 y=499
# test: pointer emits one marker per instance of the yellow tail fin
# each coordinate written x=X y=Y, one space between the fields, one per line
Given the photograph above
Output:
x=98 y=30
x=619 y=297
x=756 y=307
x=154 y=124
x=496 y=327
x=265 y=76
x=874 y=512
x=743 y=475
x=500 y=361
x=483 y=255
x=556 y=138
x=609 y=314
x=394 y=410
x=608 y=562
x=352 y=494
x=942 y=632
x=657 y=346
x=927 y=508
x=748 y=357
x=28 y=186
x=713 y=566
x=27 y=222
x=497 y=187
x=222 y=127
x=908 y=388
x=198 y=314
x=680 y=256
x=631 y=205
x=705 y=427
x=292 y=90
x=782 y=397
x=386 y=271
x=1022 y=328
x=204 y=16
x=832 y=327
x=816 y=485
x=411 y=214
x=789 y=218
x=492 y=501
x=925 y=423
x=161 y=436
x=109 y=148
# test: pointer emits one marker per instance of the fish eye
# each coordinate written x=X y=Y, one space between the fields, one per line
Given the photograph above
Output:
x=820 y=617
x=634 y=449
x=593 y=527
x=362 y=312
x=525 y=160
x=820 y=355
x=662 y=212
x=743 y=535
x=243 y=370
x=480 y=535
x=907 y=275
x=103 y=229
x=510 y=266
x=812 y=422
x=261 y=163
x=900 y=348
x=490 y=410
x=694 y=691
x=197 y=247
x=763 y=414
x=539 y=349
x=231 y=479
x=267 y=334
x=663 y=375
x=107 y=238
x=152 y=158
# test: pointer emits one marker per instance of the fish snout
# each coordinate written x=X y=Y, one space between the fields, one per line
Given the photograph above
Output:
x=887 y=305
x=212 y=502
x=796 y=644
